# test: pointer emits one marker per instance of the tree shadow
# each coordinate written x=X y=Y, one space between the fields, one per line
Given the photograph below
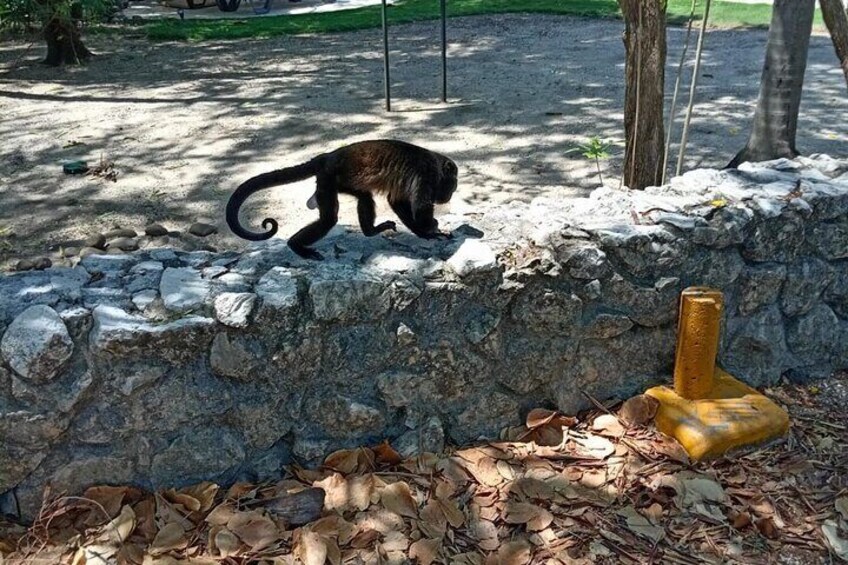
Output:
x=186 y=123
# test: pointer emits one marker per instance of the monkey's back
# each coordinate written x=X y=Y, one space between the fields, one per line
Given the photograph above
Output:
x=382 y=166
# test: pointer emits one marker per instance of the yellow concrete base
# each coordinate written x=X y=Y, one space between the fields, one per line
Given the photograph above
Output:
x=731 y=415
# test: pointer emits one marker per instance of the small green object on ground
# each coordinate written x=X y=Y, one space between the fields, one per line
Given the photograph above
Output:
x=75 y=168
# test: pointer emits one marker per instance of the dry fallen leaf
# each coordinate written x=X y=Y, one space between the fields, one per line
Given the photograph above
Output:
x=226 y=542
x=122 y=526
x=398 y=498
x=514 y=553
x=254 y=529
x=841 y=505
x=638 y=410
x=640 y=525
x=386 y=454
x=169 y=537
x=594 y=446
x=838 y=544
x=312 y=548
x=535 y=517
x=425 y=551
x=608 y=425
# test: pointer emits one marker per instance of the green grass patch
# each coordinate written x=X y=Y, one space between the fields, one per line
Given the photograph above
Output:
x=723 y=14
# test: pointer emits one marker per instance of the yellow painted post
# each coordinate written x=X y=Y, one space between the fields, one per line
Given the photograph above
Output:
x=697 y=342
x=709 y=411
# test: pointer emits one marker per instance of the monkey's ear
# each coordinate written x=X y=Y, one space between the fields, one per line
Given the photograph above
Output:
x=449 y=166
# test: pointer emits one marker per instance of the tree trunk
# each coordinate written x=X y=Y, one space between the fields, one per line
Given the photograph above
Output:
x=836 y=19
x=64 y=44
x=644 y=72
x=776 y=117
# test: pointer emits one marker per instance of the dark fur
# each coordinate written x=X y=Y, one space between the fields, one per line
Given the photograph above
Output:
x=412 y=178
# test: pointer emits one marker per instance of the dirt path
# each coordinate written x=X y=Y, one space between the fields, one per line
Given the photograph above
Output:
x=185 y=123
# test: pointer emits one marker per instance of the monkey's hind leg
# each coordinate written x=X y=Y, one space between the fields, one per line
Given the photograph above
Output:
x=328 y=209
x=367 y=214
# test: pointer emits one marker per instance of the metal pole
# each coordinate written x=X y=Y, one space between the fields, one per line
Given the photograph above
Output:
x=444 y=52
x=386 y=60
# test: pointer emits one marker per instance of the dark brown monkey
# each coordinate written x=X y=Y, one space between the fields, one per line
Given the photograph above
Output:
x=413 y=179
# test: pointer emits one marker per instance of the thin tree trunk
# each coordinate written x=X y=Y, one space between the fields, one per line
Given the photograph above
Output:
x=836 y=19
x=64 y=43
x=776 y=117
x=645 y=48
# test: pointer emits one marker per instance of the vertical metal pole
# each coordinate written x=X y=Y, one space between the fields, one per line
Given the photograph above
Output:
x=386 y=60
x=444 y=51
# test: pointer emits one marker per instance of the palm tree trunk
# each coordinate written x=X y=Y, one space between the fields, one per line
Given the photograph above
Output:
x=645 y=48
x=776 y=117
x=836 y=19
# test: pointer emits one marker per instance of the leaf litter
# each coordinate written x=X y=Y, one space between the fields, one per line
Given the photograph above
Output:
x=601 y=488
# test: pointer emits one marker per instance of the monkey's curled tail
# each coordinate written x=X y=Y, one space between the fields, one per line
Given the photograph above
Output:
x=261 y=182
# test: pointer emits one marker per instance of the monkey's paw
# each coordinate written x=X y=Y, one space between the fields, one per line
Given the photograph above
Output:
x=386 y=226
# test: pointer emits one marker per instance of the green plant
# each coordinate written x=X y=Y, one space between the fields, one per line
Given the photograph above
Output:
x=595 y=149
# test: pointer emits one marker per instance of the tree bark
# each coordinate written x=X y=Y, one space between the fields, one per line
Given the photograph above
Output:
x=836 y=19
x=64 y=43
x=644 y=72
x=776 y=117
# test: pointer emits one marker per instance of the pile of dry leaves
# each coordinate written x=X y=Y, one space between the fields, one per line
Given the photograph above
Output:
x=602 y=489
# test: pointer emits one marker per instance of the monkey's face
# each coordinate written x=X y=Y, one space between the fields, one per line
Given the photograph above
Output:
x=448 y=183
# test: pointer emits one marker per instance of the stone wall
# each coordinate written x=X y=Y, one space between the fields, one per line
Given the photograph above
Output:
x=164 y=368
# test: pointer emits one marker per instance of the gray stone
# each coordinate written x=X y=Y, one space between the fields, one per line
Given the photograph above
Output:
x=142 y=300
x=310 y=449
x=144 y=276
x=118 y=233
x=605 y=326
x=70 y=251
x=756 y=351
x=119 y=332
x=775 y=239
x=815 y=337
x=349 y=297
x=836 y=294
x=30 y=429
x=805 y=281
x=202 y=230
x=163 y=255
x=760 y=286
x=183 y=289
x=93 y=297
x=486 y=417
x=405 y=335
x=829 y=239
x=88 y=251
x=123 y=243
x=278 y=289
x=155 y=230
x=549 y=310
x=263 y=423
x=37 y=344
x=234 y=309
x=17 y=462
x=235 y=357
x=472 y=257
x=78 y=320
x=202 y=454
x=107 y=263
x=584 y=261
x=643 y=250
x=341 y=416
x=95 y=241
x=140 y=377
x=647 y=306
x=427 y=438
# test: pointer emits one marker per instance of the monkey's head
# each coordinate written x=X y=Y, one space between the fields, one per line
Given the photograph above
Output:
x=447 y=183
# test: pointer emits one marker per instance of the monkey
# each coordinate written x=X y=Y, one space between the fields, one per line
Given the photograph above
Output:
x=413 y=179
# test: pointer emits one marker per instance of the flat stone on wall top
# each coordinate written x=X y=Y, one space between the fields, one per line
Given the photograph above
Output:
x=161 y=366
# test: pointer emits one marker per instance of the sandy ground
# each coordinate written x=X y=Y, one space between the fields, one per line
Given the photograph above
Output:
x=185 y=123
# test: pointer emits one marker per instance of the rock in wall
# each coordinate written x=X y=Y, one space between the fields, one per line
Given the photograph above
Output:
x=165 y=368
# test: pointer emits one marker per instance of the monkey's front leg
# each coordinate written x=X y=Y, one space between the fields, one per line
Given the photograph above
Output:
x=421 y=222
x=367 y=214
